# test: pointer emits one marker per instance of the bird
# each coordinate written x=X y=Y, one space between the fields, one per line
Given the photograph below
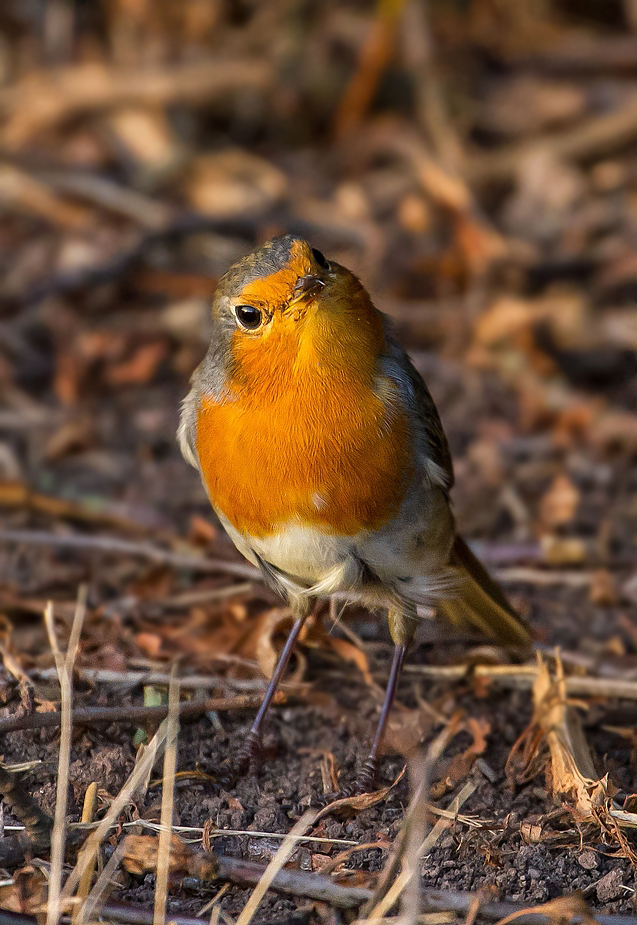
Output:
x=323 y=455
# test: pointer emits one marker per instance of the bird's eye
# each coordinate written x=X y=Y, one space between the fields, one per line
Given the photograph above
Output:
x=248 y=316
x=320 y=259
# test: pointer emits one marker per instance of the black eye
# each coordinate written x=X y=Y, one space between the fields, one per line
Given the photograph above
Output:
x=248 y=316
x=320 y=259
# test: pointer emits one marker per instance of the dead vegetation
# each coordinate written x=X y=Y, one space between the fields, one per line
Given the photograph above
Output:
x=474 y=162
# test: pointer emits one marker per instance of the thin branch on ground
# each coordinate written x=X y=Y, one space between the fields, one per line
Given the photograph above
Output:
x=90 y=716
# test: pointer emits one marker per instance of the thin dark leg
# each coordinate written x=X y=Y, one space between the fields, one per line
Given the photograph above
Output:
x=250 y=754
x=367 y=774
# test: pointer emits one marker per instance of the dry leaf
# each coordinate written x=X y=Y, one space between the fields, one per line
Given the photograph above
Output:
x=145 y=138
x=555 y=725
x=351 y=653
x=558 y=550
x=559 y=505
x=233 y=182
x=140 y=857
x=25 y=892
x=603 y=590
x=461 y=764
x=140 y=368
x=271 y=623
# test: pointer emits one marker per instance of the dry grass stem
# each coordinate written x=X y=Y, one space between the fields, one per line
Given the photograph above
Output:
x=84 y=886
x=282 y=856
x=167 y=800
x=64 y=666
x=420 y=769
x=138 y=776
x=392 y=883
x=95 y=899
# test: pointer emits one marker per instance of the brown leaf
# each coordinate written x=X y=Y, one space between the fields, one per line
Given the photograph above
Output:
x=557 y=550
x=140 y=368
x=25 y=892
x=603 y=592
x=233 y=182
x=351 y=653
x=271 y=623
x=140 y=857
x=461 y=764
x=559 y=505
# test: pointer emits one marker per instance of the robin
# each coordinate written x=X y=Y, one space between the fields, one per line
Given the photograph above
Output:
x=323 y=455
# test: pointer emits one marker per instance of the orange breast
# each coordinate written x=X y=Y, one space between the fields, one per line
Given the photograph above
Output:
x=303 y=440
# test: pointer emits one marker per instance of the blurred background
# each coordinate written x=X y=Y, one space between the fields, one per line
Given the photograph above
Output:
x=474 y=161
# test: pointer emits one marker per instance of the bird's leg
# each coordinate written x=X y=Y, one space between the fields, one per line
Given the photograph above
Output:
x=402 y=625
x=367 y=774
x=249 y=756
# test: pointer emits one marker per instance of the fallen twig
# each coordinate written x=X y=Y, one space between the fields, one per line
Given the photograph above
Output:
x=92 y=715
x=589 y=138
x=43 y=100
x=113 y=545
x=141 y=856
x=458 y=901
x=149 y=677
x=522 y=677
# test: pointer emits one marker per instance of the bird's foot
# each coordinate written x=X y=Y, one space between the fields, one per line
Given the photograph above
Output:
x=250 y=754
x=247 y=761
x=364 y=783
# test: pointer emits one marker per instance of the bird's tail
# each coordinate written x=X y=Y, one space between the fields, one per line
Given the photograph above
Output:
x=479 y=602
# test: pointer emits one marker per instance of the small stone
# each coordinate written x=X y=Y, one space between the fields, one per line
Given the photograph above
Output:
x=610 y=886
x=588 y=860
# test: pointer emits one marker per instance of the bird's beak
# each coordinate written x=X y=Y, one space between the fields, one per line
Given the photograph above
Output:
x=307 y=286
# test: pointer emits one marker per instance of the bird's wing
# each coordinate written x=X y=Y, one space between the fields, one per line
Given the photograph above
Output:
x=431 y=439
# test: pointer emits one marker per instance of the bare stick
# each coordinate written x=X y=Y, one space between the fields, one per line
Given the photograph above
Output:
x=589 y=138
x=93 y=715
x=107 y=544
x=133 y=678
x=41 y=102
x=65 y=673
x=521 y=677
x=167 y=801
